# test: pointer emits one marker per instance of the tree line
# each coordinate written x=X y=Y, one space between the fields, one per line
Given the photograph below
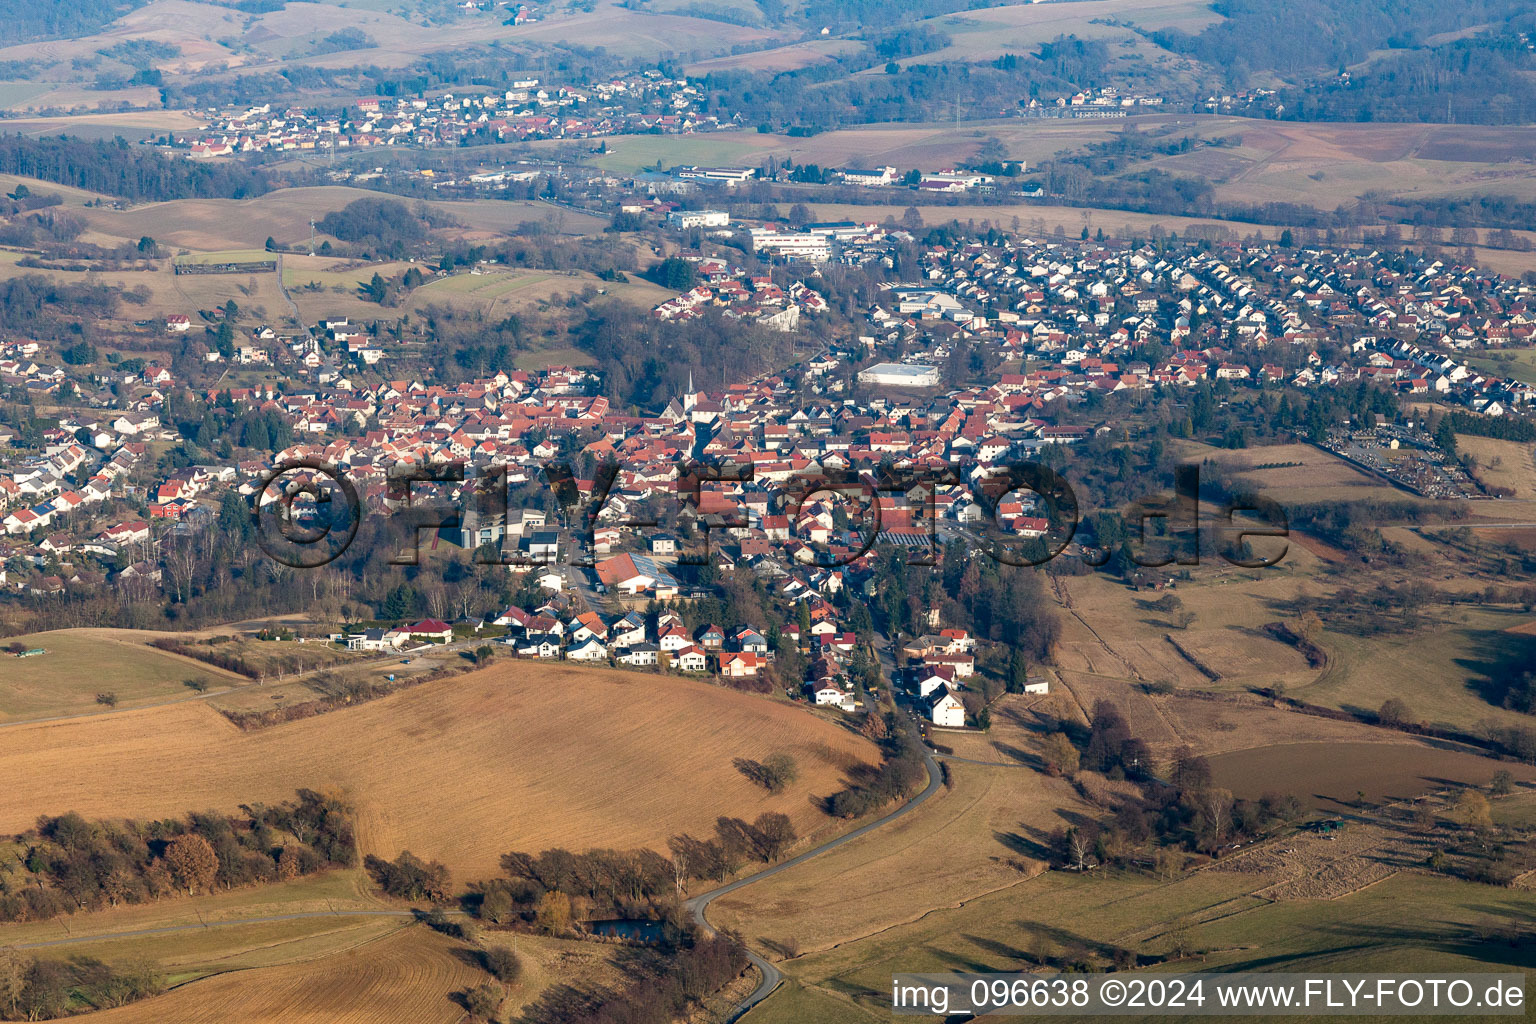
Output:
x=60 y=19
x=1185 y=810
x=116 y=168
x=378 y=228
x=658 y=991
x=46 y=989
x=74 y=864
x=898 y=775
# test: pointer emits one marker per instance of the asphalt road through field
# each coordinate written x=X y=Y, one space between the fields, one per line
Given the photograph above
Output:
x=699 y=905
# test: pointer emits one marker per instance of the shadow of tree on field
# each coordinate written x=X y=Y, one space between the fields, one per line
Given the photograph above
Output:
x=1023 y=845
x=1500 y=659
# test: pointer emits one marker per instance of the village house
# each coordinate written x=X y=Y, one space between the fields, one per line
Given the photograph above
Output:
x=690 y=659
x=946 y=710
x=431 y=629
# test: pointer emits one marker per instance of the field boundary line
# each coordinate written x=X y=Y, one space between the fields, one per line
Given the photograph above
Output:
x=174 y=929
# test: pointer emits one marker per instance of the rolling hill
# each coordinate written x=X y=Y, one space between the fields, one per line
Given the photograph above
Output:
x=515 y=757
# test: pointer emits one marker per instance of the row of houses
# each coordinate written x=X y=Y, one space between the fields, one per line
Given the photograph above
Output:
x=742 y=652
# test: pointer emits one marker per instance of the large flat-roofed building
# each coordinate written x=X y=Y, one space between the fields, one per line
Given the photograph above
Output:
x=904 y=375
x=792 y=245
x=725 y=175
x=687 y=219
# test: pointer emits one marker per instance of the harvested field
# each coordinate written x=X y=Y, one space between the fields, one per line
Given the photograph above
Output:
x=1329 y=775
x=409 y=977
x=462 y=769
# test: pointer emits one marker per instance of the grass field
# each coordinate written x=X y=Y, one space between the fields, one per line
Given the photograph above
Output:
x=1408 y=922
x=335 y=272
x=992 y=932
x=67 y=679
x=1043 y=220
x=1321 y=476
x=461 y=770
x=14 y=95
x=199 y=259
x=339 y=891
x=476 y=290
x=256 y=294
x=222 y=949
x=234 y=224
x=631 y=153
x=71 y=196
x=984 y=835
x=779 y=58
x=1447 y=674
x=207 y=34
x=497 y=292
x=1519 y=363
x=1129 y=641
x=1510 y=464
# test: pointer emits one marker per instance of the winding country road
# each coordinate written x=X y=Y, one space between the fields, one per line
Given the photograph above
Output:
x=699 y=905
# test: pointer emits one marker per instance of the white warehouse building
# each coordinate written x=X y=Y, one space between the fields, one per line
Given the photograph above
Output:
x=903 y=375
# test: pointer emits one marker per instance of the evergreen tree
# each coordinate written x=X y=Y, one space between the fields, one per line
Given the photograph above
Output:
x=1018 y=671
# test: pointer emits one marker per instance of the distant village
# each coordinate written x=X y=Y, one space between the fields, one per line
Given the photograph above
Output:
x=533 y=108
x=630 y=104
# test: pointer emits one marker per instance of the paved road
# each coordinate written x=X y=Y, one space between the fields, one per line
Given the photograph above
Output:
x=699 y=905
